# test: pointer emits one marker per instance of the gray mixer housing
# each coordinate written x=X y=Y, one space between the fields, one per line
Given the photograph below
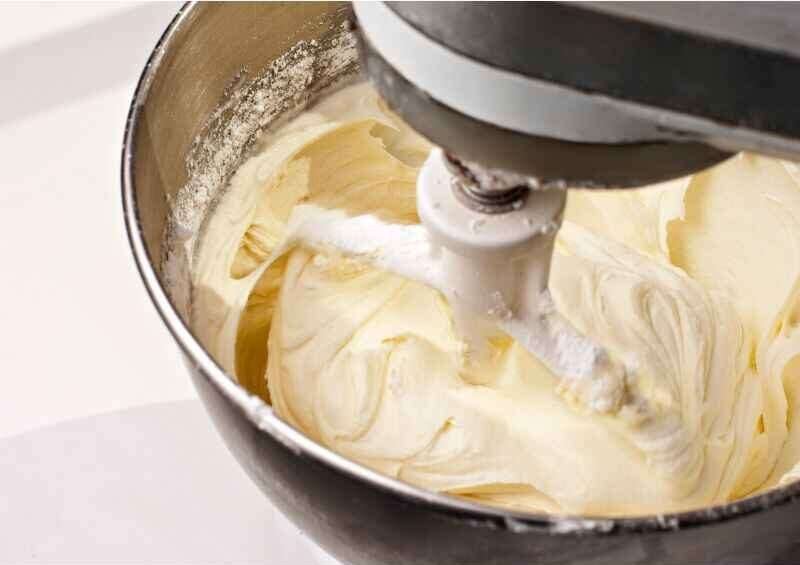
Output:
x=591 y=94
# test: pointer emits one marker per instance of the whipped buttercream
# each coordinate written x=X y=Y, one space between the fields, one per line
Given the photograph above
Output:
x=694 y=283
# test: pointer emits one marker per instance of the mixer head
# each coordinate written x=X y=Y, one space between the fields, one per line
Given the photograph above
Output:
x=590 y=95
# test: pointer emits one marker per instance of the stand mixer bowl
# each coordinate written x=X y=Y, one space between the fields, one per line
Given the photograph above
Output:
x=358 y=515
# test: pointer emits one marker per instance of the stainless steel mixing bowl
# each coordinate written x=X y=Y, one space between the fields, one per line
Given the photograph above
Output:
x=358 y=515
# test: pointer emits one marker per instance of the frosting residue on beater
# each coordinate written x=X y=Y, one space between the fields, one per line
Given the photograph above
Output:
x=694 y=282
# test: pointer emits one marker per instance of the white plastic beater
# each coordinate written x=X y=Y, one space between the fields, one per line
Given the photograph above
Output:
x=492 y=268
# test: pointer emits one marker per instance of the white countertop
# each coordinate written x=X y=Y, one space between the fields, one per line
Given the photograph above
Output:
x=105 y=453
x=79 y=335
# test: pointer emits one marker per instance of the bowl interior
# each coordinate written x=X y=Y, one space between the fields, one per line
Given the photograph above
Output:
x=209 y=53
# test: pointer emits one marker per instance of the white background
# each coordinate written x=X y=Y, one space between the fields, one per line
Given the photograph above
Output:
x=105 y=453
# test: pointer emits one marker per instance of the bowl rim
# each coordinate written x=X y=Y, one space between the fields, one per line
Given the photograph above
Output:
x=264 y=418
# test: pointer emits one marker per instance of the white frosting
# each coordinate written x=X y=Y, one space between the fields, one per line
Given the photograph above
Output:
x=693 y=283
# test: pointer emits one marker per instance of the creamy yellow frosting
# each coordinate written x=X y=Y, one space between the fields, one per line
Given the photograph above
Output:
x=695 y=283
